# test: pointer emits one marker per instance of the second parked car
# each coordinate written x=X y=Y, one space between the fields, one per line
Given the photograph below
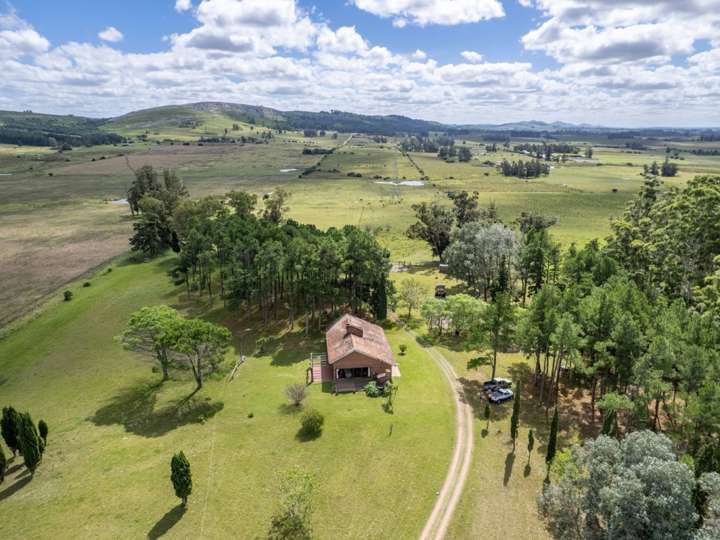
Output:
x=501 y=395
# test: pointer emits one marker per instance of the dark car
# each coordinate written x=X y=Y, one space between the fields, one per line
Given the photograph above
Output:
x=501 y=395
x=497 y=383
x=440 y=291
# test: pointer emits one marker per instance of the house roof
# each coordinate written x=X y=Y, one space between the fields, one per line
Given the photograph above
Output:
x=352 y=334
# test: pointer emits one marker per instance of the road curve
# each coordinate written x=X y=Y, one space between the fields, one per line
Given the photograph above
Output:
x=449 y=496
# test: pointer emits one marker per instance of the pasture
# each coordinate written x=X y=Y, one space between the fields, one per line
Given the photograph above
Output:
x=114 y=429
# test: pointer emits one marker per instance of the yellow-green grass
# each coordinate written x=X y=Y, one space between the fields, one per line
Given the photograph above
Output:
x=500 y=499
x=105 y=473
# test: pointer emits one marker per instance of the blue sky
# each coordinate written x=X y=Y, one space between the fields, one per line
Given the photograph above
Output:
x=629 y=62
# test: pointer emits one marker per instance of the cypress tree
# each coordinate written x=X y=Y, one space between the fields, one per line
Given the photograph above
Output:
x=515 y=419
x=3 y=465
x=181 y=476
x=9 y=428
x=609 y=427
x=43 y=429
x=30 y=442
x=552 y=441
x=531 y=443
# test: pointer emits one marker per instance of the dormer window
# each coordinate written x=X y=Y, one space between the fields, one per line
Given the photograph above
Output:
x=354 y=329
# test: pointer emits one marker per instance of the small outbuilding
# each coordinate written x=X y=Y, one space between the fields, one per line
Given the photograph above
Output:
x=357 y=352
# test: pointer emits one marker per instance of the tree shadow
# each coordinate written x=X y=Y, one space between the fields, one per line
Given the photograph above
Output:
x=509 y=462
x=484 y=433
x=289 y=409
x=167 y=522
x=474 y=395
x=12 y=469
x=134 y=409
x=17 y=486
x=304 y=435
x=527 y=470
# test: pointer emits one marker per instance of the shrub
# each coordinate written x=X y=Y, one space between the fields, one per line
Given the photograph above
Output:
x=86 y=284
x=30 y=443
x=403 y=349
x=43 y=429
x=311 y=423
x=372 y=390
x=9 y=425
x=181 y=476
x=3 y=465
x=296 y=393
x=67 y=296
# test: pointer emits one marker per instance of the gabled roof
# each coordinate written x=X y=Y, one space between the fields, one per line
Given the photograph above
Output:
x=352 y=334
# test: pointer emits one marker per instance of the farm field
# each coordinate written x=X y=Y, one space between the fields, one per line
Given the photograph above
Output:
x=104 y=474
x=72 y=194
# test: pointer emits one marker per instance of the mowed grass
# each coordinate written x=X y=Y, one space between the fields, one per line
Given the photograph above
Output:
x=105 y=473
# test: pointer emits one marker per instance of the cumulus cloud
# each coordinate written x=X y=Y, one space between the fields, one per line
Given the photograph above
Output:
x=425 y=12
x=622 y=30
x=182 y=5
x=111 y=34
x=272 y=52
x=472 y=56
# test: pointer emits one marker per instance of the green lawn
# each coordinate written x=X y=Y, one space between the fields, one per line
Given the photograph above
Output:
x=113 y=430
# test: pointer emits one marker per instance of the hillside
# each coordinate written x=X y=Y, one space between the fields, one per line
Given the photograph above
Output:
x=196 y=114
x=29 y=128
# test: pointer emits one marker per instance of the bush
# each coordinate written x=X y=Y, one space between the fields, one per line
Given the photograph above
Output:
x=181 y=477
x=3 y=465
x=43 y=429
x=67 y=296
x=86 y=284
x=403 y=349
x=30 y=442
x=372 y=390
x=311 y=423
x=296 y=393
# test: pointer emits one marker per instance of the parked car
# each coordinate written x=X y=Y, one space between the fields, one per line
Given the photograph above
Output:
x=497 y=383
x=440 y=291
x=501 y=395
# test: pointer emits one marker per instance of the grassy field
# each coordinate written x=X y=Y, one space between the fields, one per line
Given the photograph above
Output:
x=113 y=430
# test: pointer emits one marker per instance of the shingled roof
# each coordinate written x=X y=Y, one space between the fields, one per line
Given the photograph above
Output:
x=351 y=334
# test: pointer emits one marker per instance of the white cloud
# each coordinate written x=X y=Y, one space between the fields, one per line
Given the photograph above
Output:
x=425 y=12
x=183 y=5
x=111 y=34
x=472 y=56
x=273 y=53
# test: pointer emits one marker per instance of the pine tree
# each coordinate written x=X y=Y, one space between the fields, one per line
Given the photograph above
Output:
x=30 y=442
x=515 y=419
x=43 y=429
x=181 y=476
x=9 y=428
x=3 y=465
x=552 y=441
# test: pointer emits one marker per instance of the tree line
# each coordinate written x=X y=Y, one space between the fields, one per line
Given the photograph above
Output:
x=257 y=258
x=524 y=169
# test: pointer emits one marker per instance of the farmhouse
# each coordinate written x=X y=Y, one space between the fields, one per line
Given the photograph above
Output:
x=357 y=353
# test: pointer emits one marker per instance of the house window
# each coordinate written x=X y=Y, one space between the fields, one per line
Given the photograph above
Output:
x=350 y=373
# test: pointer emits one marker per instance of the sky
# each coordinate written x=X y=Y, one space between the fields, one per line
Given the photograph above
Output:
x=625 y=63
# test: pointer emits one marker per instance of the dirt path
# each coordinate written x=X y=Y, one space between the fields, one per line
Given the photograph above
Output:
x=442 y=513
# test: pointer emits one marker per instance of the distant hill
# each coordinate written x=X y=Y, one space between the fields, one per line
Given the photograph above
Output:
x=214 y=119
x=175 y=116
x=33 y=129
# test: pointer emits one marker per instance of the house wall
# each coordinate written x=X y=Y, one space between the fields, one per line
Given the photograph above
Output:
x=357 y=360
